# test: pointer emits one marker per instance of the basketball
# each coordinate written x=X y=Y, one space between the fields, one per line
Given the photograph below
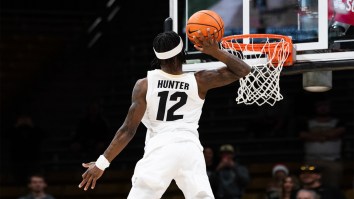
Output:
x=202 y=20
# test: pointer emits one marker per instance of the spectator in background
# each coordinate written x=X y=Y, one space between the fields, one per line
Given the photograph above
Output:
x=92 y=133
x=210 y=166
x=37 y=186
x=322 y=136
x=26 y=142
x=307 y=194
x=311 y=176
x=275 y=185
x=290 y=187
x=232 y=177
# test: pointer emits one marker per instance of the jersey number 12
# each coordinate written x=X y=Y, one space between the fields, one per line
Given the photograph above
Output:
x=182 y=96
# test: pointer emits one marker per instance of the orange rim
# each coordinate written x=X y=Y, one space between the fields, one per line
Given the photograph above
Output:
x=269 y=48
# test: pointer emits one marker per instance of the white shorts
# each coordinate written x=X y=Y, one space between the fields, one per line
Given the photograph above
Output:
x=184 y=162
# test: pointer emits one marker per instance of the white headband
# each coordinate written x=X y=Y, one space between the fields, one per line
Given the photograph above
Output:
x=170 y=53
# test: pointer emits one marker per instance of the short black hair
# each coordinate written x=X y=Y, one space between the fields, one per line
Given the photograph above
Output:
x=166 y=41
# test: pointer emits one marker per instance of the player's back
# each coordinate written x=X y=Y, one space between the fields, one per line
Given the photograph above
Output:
x=173 y=108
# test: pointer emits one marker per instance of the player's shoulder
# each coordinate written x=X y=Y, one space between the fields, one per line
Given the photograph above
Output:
x=141 y=80
x=141 y=83
x=205 y=76
x=200 y=74
x=210 y=72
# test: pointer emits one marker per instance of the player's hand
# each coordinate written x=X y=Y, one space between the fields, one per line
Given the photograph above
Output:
x=91 y=175
x=208 y=44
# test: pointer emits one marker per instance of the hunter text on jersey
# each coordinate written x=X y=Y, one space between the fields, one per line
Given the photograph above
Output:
x=172 y=84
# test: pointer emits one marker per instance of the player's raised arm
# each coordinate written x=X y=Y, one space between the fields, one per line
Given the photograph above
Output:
x=235 y=67
x=122 y=137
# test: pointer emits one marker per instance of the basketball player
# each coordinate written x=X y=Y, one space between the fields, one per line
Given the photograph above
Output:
x=169 y=102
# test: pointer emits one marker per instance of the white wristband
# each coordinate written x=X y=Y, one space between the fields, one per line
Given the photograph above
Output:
x=102 y=163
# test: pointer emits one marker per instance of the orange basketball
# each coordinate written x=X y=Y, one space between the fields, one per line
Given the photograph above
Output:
x=202 y=20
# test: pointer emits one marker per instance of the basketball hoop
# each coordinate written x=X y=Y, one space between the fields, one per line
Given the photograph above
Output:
x=266 y=54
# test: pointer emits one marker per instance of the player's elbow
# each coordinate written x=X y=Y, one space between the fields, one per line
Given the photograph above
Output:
x=241 y=70
x=241 y=73
x=245 y=70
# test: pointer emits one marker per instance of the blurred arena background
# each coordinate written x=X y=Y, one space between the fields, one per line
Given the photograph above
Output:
x=64 y=63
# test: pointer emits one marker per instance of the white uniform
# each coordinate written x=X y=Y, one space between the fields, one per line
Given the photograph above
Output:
x=172 y=146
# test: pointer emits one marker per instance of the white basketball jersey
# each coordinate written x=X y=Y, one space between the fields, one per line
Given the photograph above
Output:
x=173 y=109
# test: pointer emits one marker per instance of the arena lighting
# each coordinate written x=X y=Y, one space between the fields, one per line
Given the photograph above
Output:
x=317 y=81
x=94 y=39
x=94 y=24
x=110 y=3
x=113 y=13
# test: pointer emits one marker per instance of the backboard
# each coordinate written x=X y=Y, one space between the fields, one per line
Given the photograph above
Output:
x=322 y=31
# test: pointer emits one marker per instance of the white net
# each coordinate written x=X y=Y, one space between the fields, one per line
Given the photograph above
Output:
x=266 y=59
